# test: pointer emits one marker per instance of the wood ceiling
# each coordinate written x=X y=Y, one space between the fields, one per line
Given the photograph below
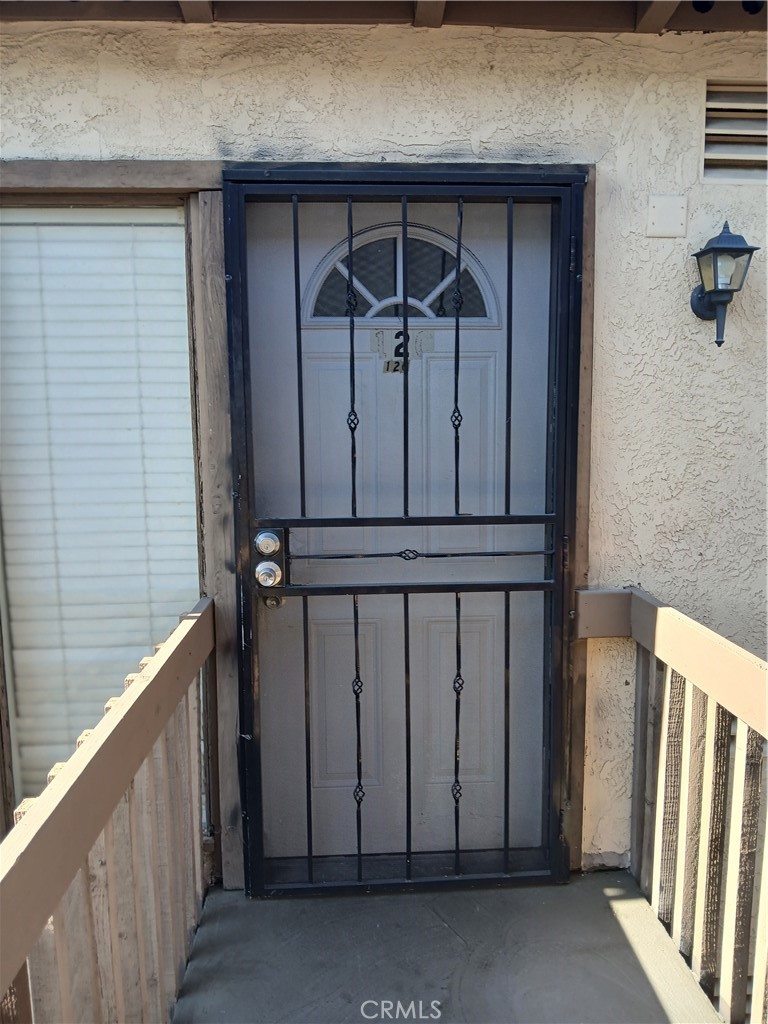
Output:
x=570 y=16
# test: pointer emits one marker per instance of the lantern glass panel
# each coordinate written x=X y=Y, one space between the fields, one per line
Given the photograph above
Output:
x=726 y=265
x=740 y=270
x=707 y=270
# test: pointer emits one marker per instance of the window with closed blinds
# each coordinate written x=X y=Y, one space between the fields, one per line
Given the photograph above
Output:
x=97 y=490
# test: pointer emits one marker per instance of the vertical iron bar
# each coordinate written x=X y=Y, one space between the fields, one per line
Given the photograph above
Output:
x=508 y=423
x=507 y=508
x=353 y=419
x=406 y=363
x=458 y=686
x=299 y=356
x=457 y=302
x=408 y=807
x=307 y=738
x=357 y=689
x=506 y=729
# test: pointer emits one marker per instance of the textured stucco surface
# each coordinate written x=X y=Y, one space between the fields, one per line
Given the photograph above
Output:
x=677 y=448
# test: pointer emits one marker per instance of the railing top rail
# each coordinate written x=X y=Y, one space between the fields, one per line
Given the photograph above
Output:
x=735 y=678
x=41 y=855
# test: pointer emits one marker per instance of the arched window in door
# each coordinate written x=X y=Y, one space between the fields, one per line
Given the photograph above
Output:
x=378 y=279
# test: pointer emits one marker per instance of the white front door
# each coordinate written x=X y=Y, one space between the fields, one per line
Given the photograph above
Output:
x=404 y=672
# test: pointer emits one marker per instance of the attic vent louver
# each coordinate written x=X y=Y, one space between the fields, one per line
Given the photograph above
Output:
x=735 y=132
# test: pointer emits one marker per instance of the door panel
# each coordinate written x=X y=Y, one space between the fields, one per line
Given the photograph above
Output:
x=412 y=470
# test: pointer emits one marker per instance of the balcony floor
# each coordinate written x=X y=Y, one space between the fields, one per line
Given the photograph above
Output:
x=591 y=951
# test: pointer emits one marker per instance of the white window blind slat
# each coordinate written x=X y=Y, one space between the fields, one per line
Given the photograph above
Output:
x=96 y=461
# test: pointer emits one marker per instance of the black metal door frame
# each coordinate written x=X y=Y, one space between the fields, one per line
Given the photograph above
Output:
x=564 y=188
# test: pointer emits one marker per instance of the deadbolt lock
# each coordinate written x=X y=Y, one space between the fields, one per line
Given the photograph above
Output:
x=267 y=543
x=269 y=574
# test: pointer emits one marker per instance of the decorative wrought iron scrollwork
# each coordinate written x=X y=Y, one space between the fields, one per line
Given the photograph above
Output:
x=458 y=686
x=357 y=688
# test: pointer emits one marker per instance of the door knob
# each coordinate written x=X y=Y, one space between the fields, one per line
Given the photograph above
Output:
x=267 y=543
x=268 y=574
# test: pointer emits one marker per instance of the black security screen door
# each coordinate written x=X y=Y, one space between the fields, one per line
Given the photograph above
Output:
x=404 y=358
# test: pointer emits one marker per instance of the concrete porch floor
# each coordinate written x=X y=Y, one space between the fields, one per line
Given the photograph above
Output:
x=591 y=951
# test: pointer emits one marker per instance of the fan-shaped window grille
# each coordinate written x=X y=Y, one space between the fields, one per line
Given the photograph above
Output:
x=378 y=282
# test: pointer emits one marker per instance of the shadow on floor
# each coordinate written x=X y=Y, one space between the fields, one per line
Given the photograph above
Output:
x=590 y=952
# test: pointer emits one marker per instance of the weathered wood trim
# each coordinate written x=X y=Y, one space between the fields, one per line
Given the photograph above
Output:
x=689 y=820
x=552 y=16
x=122 y=914
x=315 y=12
x=7 y=789
x=576 y=696
x=152 y=950
x=603 y=613
x=74 y=939
x=428 y=13
x=88 y=200
x=740 y=874
x=726 y=672
x=16 y=1003
x=668 y=798
x=653 y=16
x=192 y=706
x=44 y=852
x=9 y=754
x=210 y=362
x=656 y=675
x=197 y=12
x=640 y=756
x=714 y=786
x=759 y=1010
x=80 y=176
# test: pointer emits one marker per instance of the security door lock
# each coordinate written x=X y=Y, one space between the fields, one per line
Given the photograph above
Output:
x=269 y=574
x=267 y=543
x=271 y=557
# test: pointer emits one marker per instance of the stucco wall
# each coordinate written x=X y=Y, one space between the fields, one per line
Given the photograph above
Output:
x=678 y=473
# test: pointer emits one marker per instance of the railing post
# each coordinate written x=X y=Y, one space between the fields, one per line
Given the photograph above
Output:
x=689 y=819
x=642 y=712
x=740 y=874
x=668 y=798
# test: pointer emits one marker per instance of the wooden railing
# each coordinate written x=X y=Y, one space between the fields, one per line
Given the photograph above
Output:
x=699 y=794
x=101 y=879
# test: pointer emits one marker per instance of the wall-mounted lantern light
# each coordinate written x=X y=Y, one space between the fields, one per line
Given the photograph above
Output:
x=723 y=265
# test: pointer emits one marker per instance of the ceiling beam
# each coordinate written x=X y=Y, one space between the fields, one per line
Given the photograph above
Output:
x=554 y=15
x=654 y=17
x=428 y=13
x=197 y=12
